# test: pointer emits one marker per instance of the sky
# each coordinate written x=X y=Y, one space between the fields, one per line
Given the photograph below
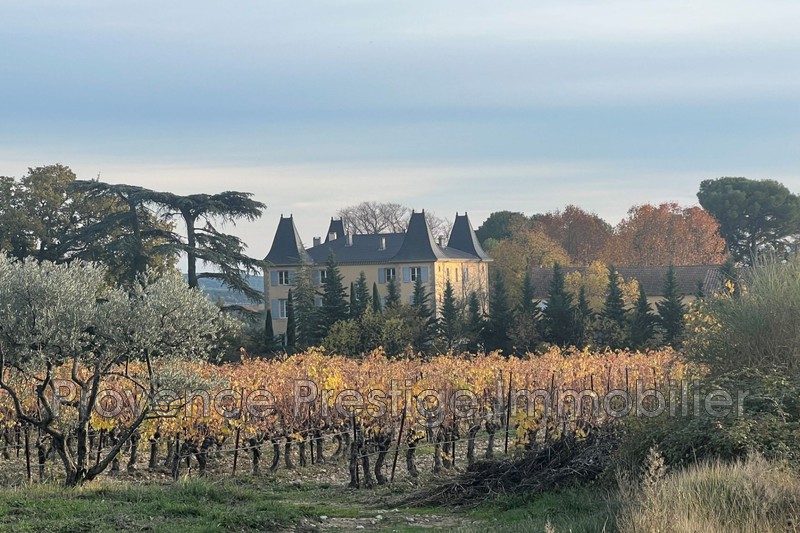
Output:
x=448 y=106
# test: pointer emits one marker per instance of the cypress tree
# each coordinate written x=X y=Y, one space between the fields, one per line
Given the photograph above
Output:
x=377 y=308
x=671 y=309
x=524 y=332
x=642 y=322
x=305 y=310
x=269 y=332
x=584 y=317
x=353 y=313
x=475 y=323
x=449 y=324
x=420 y=300
x=291 y=327
x=528 y=302
x=392 y=294
x=501 y=317
x=334 y=298
x=361 y=295
x=424 y=316
x=559 y=315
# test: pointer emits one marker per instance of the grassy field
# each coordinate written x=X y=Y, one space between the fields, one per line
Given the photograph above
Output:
x=274 y=504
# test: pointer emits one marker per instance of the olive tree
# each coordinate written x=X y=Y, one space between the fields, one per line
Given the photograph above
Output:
x=62 y=326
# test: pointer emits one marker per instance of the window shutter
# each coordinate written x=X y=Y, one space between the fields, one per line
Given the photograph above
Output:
x=273 y=276
x=424 y=274
x=276 y=310
x=381 y=275
x=291 y=277
x=318 y=301
x=406 y=275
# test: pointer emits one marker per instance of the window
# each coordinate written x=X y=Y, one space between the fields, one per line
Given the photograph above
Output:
x=282 y=306
x=388 y=274
x=323 y=275
x=456 y=274
x=283 y=277
x=415 y=273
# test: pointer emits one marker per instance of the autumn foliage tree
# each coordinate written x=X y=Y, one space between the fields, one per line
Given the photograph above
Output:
x=666 y=234
x=581 y=234
x=524 y=249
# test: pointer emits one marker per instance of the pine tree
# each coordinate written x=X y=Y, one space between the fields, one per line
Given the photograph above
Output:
x=642 y=322
x=671 y=309
x=699 y=292
x=392 y=294
x=613 y=324
x=614 y=306
x=334 y=297
x=449 y=324
x=361 y=295
x=559 y=315
x=501 y=317
x=475 y=324
x=377 y=308
x=291 y=327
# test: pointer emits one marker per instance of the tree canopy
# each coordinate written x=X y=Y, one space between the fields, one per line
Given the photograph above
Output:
x=67 y=316
x=754 y=215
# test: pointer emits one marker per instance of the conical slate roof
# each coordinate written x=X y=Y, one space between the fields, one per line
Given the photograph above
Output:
x=463 y=238
x=337 y=227
x=287 y=248
x=418 y=244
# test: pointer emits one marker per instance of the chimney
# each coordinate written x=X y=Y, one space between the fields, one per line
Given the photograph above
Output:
x=349 y=240
x=317 y=241
x=383 y=244
x=332 y=236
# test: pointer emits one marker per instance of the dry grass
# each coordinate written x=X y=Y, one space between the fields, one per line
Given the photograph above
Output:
x=748 y=496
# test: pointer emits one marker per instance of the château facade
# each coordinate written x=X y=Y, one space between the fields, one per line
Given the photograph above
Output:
x=404 y=257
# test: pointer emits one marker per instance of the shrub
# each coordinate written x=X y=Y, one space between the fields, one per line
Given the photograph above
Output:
x=754 y=325
x=769 y=424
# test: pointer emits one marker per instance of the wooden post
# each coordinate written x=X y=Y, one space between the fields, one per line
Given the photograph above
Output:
x=100 y=445
x=399 y=436
x=236 y=450
x=508 y=409
x=355 y=444
x=27 y=452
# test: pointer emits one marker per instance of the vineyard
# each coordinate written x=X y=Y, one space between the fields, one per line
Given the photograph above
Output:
x=367 y=415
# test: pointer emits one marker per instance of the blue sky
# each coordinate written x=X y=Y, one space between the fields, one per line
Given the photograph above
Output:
x=449 y=106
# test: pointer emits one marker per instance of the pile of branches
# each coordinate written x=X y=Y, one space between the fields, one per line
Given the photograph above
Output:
x=558 y=463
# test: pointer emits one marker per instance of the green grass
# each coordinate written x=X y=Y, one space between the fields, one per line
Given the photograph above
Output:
x=192 y=506
x=578 y=509
x=269 y=504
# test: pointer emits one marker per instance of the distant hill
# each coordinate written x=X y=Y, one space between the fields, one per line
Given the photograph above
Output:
x=216 y=290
